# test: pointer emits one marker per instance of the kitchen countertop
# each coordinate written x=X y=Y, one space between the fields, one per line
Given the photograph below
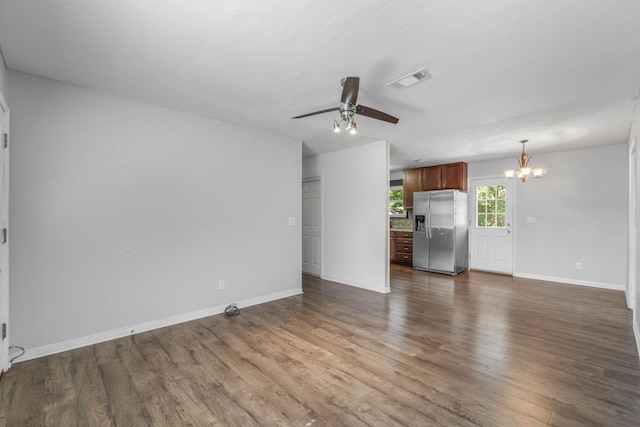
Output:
x=401 y=229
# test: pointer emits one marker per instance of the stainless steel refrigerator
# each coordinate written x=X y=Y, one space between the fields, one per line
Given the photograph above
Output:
x=440 y=231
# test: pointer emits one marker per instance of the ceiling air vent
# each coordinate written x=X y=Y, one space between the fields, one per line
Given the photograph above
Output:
x=409 y=80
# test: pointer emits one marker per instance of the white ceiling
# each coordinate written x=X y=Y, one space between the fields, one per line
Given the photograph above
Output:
x=562 y=73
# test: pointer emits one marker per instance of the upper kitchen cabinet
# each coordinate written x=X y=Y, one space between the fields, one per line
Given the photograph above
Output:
x=452 y=176
x=413 y=181
x=432 y=177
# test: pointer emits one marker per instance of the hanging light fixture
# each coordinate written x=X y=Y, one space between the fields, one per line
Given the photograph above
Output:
x=524 y=170
x=351 y=125
x=347 y=113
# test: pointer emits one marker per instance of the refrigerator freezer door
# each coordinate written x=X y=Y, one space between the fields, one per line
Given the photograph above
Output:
x=420 y=236
x=442 y=222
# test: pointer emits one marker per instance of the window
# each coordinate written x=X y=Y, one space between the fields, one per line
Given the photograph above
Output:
x=396 y=202
x=490 y=211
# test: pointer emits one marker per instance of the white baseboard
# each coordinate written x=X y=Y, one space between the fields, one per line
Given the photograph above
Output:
x=602 y=285
x=355 y=284
x=631 y=303
x=46 y=350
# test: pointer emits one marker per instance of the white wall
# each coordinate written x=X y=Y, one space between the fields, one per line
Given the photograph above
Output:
x=355 y=219
x=581 y=215
x=127 y=215
x=632 y=290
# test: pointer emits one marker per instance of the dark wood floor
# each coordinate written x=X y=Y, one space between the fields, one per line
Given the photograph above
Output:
x=477 y=349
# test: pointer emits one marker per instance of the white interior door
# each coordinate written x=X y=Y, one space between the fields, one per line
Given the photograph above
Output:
x=491 y=231
x=312 y=228
x=4 y=242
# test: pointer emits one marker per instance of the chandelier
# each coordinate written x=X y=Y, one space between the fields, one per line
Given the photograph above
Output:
x=524 y=170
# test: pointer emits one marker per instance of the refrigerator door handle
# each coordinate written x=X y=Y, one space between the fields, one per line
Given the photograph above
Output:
x=429 y=225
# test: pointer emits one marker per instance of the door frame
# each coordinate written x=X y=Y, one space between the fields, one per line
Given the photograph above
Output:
x=320 y=179
x=632 y=242
x=5 y=361
x=514 y=225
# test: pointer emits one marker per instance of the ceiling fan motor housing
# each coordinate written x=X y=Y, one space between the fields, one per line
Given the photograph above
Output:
x=347 y=111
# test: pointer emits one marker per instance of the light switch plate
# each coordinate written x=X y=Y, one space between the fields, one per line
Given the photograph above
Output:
x=292 y=220
x=531 y=220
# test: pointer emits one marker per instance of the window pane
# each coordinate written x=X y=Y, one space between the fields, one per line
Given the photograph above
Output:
x=396 y=202
x=395 y=194
x=491 y=206
x=502 y=192
x=492 y=192
x=481 y=192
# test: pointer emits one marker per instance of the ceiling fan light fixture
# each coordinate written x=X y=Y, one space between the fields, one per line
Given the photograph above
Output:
x=351 y=125
x=348 y=107
x=353 y=129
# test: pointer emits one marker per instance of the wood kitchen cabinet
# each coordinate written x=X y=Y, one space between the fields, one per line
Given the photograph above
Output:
x=392 y=246
x=452 y=176
x=402 y=248
x=413 y=181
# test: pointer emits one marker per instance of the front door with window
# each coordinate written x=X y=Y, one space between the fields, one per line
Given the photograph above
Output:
x=490 y=231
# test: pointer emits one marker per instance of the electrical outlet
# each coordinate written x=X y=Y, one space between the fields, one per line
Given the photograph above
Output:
x=578 y=266
x=221 y=285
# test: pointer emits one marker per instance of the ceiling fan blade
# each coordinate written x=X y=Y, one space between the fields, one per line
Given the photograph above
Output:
x=316 y=112
x=350 y=90
x=375 y=114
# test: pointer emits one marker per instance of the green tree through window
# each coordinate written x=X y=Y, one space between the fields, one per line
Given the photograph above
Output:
x=396 y=202
x=491 y=206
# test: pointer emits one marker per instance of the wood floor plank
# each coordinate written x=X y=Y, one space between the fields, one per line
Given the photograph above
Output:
x=91 y=404
x=27 y=392
x=60 y=397
x=477 y=349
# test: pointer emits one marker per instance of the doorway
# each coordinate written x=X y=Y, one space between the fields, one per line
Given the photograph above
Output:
x=312 y=227
x=490 y=228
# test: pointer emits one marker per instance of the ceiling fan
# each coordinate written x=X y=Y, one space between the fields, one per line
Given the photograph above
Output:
x=348 y=107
